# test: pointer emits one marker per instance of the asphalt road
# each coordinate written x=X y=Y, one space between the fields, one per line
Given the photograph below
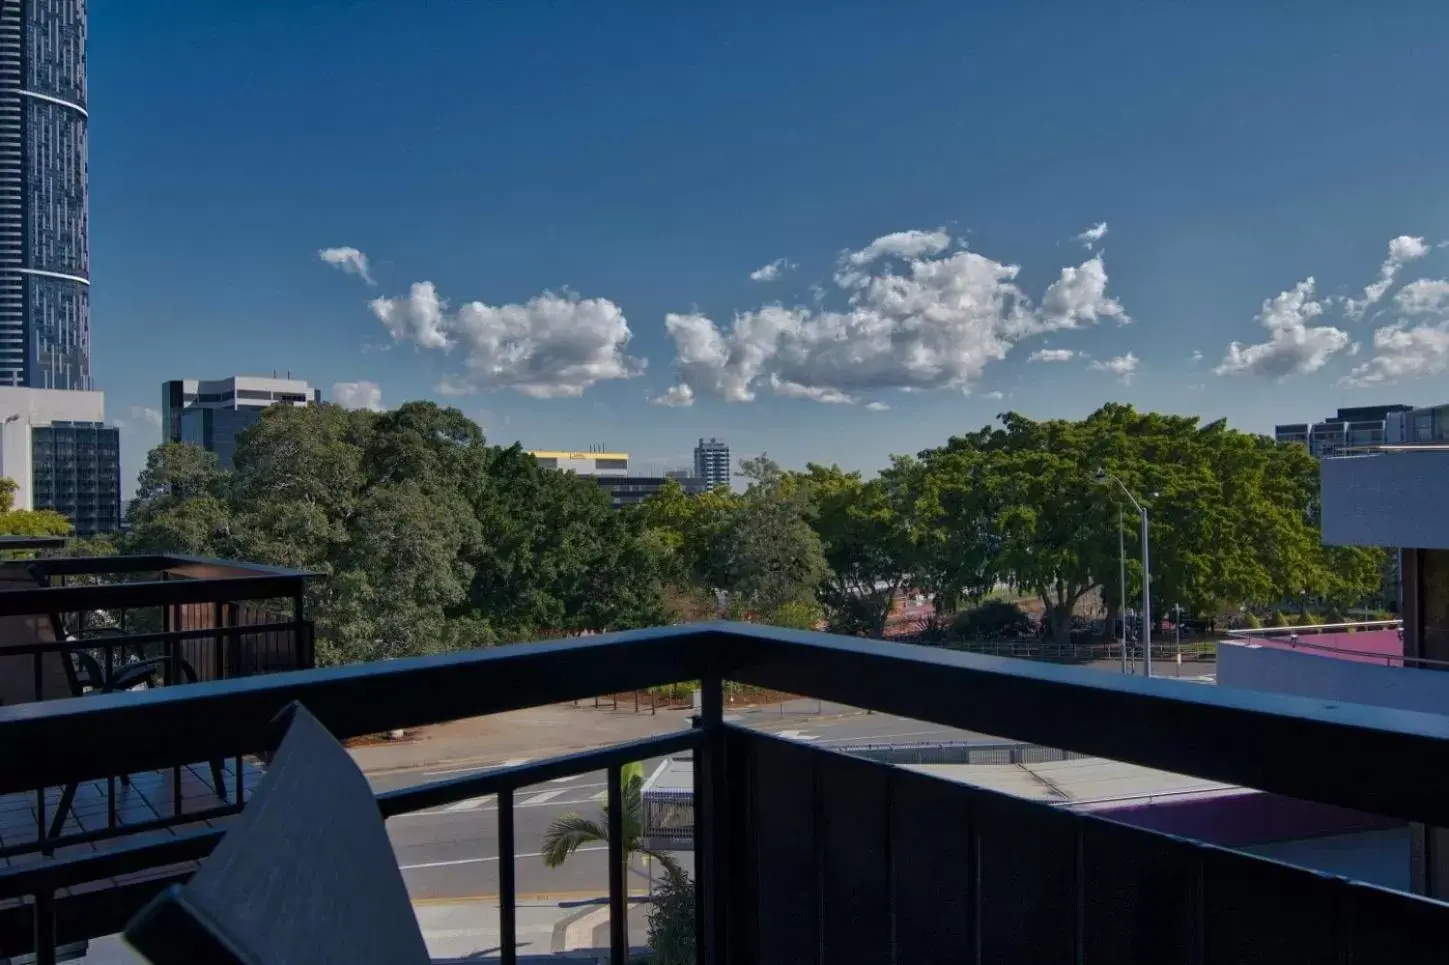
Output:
x=452 y=852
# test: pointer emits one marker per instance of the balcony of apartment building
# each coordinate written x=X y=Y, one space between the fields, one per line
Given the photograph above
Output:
x=79 y=631
x=801 y=853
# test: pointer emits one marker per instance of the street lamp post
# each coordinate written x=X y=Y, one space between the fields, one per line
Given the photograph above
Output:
x=1146 y=576
x=1122 y=560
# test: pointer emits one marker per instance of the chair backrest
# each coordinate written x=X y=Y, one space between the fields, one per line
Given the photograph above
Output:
x=305 y=875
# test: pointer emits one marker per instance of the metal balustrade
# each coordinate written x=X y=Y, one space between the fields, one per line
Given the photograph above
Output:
x=805 y=854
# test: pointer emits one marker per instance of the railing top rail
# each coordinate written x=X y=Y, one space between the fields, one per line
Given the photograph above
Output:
x=1313 y=627
x=157 y=562
x=68 y=599
x=1368 y=758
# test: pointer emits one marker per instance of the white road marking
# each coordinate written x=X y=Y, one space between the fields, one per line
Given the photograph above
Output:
x=458 y=861
x=466 y=769
x=470 y=804
x=795 y=735
x=543 y=797
x=565 y=780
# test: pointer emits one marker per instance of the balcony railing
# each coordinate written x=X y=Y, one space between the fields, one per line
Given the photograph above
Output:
x=804 y=854
x=85 y=626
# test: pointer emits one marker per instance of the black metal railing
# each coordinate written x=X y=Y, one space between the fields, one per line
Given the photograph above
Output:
x=805 y=854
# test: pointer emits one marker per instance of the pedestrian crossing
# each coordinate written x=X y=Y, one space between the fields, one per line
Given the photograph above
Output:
x=525 y=799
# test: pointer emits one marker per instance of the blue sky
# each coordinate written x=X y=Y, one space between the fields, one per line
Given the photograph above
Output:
x=640 y=161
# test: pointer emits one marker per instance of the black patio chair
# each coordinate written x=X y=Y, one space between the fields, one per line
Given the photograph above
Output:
x=305 y=874
x=88 y=676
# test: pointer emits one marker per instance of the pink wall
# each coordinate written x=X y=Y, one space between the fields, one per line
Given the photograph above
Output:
x=1366 y=646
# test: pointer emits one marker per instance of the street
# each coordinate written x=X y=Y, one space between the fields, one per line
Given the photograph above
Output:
x=452 y=852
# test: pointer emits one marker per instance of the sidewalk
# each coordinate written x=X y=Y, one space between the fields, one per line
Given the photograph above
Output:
x=574 y=929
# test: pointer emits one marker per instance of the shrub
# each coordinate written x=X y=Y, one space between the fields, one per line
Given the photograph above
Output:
x=991 y=619
x=671 y=920
x=1308 y=619
x=1280 y=619
x=1252 y=621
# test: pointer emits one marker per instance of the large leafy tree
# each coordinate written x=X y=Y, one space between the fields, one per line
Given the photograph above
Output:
x=27 y=522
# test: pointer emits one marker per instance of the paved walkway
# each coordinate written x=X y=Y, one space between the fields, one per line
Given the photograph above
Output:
x=548 y=928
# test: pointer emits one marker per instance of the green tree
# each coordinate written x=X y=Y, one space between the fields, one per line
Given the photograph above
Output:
x=27 y=522
x=180 y=504
x=866 y=544
x=768 y=554
x=672 y=921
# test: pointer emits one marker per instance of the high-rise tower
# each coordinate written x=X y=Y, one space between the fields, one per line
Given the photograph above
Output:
x=45 y=321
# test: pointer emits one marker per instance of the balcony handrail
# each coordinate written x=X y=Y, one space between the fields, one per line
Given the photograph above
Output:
x=1313 y=627
x=1355 y=756
x=120 y=640
x=104 y=596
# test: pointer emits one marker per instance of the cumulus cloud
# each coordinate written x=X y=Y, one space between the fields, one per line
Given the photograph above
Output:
x=772 y=271
x=1092 y=235
x=900 y=244
x=877 y=406
x=1402 y=250
x=1197 y=355
x=1122 y=366
x=358 y=395
x=1079 y=297
x=1423 y=296
x=1052 y=355
x=548 y=347
x=676 y=395
x=934 y=322
x=348 y=260
x=1402 y=352
x=1294 y=347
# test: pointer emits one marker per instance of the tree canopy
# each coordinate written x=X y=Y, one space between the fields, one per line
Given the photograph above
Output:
x=430 y=539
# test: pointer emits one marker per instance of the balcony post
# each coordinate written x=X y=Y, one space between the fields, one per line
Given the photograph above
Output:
x=711 y=874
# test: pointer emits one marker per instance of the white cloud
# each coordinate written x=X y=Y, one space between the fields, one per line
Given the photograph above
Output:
x=1402 y=250
x=1052 y=355
x=1404 y=353
x=772 y=271
x=934 y=323
x=358 y=395
x=901 y=244
x=349 y=260
x=676 y=395
x=1197 y=355
x=1293 y=347
x=1123 y=366
x=1080 y=296
x=451 y=386
x=548 y=347
x=996 y=395
x=145 y=414
x=877 y=406
x=1092 y=235
x=1423 y=296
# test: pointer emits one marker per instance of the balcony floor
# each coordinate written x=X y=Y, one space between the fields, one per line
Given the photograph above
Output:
x=147 y=799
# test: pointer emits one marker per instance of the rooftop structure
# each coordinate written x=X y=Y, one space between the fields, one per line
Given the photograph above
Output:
x=1348 y=428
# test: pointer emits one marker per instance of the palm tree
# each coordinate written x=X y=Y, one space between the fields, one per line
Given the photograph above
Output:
x=571 y=831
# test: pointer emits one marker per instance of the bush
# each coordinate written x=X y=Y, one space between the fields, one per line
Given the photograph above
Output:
x=1252 y=621
x=1280 y=619
x=1308 y=619
x=994 y=618
x=671 y=920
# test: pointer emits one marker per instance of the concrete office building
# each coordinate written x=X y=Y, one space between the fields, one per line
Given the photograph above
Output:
x=57 y=448
x=1351 y=428
x=213 y=413
x=712 y=463
x=45 y=324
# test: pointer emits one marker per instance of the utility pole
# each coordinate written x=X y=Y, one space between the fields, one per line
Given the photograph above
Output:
x=1104 y=476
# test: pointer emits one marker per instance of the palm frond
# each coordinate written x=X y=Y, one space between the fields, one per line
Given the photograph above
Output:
x=567 y=834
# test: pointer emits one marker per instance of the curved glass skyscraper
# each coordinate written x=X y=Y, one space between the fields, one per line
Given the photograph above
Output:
x=45 y=318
